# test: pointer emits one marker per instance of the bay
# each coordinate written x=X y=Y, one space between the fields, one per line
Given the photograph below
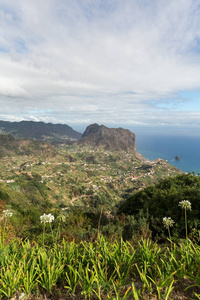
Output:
x=167 y=144
x=168 y=147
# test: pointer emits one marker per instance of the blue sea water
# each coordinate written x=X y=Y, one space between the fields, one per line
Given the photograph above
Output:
x=168 y=147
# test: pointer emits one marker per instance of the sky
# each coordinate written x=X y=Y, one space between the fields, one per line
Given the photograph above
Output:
x=119 y=62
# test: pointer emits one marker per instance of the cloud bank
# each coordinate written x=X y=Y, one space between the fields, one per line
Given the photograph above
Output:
x=117 y=62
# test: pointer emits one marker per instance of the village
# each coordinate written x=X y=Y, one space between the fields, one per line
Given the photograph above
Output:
x=83 y=174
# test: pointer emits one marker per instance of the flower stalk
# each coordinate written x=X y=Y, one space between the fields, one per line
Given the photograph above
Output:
x=168 y=222
x=47 y=219
x=186 y=205
x=61 y=218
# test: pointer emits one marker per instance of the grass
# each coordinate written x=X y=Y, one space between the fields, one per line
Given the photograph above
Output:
x=100 y=270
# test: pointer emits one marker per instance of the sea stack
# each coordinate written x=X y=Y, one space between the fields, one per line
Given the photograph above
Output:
x=177 y=158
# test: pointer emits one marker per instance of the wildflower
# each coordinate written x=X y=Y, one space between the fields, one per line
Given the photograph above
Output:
x=46 y=218
x=168 y=222
x=62 y=218
x=7 y=213
x=185 y=204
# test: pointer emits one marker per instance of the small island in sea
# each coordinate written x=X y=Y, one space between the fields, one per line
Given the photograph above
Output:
x=177 y=158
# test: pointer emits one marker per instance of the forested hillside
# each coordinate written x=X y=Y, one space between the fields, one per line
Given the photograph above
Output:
x=162 y=200
x=48 y=132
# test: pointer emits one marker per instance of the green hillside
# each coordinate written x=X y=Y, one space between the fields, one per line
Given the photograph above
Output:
x=163 y=200
x=53 y=133
x=36 y=177
x=85 y=223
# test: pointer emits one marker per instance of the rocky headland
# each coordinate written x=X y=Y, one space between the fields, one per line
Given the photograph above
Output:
x=112 y=139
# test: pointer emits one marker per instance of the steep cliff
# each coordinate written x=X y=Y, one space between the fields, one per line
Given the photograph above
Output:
x=117 y=139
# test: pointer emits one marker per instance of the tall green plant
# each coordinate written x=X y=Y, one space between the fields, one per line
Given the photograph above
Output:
x=44 y=219
x=49 y=270
x=168 y=222
x=186 y=205
x=11 y=279
x=61 y=219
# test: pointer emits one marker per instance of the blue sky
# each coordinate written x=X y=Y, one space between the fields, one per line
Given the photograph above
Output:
x=131 y=63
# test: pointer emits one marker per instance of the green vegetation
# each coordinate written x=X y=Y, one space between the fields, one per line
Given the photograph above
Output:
x=140 y=215
x=162 y=200
x=70 y=230
x=81 y=254
x=80 y=176
x=39 y=130
x=100 y=270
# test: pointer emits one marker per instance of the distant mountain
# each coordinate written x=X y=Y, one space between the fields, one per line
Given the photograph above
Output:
x=10 y=146
x=52 y=133
x=108 y=138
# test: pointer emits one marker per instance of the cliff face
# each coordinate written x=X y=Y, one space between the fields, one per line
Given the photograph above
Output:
x=117 y=139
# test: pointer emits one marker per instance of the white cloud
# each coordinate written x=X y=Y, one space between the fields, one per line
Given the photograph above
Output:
x=10 y=88
x=99 y=60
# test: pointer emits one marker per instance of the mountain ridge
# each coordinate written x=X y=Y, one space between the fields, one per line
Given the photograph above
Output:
x=48 y=132
x=98 y=136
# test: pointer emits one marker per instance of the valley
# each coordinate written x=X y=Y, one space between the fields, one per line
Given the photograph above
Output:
x=85 y=175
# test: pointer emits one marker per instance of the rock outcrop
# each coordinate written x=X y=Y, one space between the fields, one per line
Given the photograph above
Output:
x=117 y=139
x=177 y=158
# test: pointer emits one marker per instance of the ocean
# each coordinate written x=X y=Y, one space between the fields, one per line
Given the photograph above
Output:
x=168 y=147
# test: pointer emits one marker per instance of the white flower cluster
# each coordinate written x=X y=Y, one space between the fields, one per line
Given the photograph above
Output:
x=7 y=213
x=167 y=221
x=185 y=204
x=46 y=218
